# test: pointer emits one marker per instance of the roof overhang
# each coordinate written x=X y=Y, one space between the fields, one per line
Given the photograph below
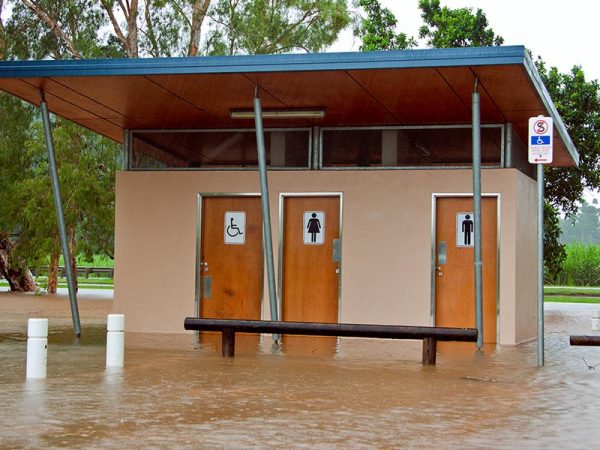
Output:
x=410 y=87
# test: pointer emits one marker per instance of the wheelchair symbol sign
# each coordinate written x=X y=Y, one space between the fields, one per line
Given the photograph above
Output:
x=235 y=227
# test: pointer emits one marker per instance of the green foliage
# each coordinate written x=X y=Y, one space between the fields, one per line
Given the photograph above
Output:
x=578 y=103
x=265 y=26
x=86 y=166
x=445 y=27
x=584 y=226
x=28 y=37
x=378 y=30
x=554 y=251
x=87 y=162
x=442 y=27
x=581 y=266
x=96 y=261
x=165 y=28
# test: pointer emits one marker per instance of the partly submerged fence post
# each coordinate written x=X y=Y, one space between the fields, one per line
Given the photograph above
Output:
x=37 y=348
x=115 y=340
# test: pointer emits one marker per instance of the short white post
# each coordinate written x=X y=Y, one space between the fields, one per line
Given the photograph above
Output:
x=115 y=340
x=37 y=348
x=596 y=320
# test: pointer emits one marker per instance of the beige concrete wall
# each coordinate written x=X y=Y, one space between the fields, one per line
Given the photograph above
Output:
x=526 y=252
x=386 y=248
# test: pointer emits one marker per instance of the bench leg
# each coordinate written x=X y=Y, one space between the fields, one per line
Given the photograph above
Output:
x=429 y=351
x=228 y=342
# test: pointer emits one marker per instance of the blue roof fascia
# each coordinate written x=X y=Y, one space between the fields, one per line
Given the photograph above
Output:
x=551 y=108
x=422 y=58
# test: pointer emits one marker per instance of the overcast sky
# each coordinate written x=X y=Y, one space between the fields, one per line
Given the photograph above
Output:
x=562 y=32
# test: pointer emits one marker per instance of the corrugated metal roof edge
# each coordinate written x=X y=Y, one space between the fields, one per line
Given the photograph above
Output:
x=466 y=56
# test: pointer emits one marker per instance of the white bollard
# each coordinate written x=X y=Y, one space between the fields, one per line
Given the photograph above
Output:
x=115 y=340
x=596 y=320
x=37 y=348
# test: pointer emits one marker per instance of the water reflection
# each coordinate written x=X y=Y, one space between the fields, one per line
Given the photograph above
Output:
x=304 y=393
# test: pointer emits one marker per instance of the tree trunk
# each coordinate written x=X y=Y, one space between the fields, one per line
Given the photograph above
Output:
x=199 y=13
x=2 y=34
x=53 y=273
x=19 y=278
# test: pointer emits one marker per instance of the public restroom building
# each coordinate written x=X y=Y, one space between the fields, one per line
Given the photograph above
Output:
x=369 y=175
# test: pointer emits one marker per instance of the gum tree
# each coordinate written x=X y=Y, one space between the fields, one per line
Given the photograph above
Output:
x=72 y=29
x=86 y=161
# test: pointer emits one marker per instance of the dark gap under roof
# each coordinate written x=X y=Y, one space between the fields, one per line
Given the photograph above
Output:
x=393 y=88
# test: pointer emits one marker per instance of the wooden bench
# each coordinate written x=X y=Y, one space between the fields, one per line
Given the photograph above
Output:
x=585 y=340
x=429 y=335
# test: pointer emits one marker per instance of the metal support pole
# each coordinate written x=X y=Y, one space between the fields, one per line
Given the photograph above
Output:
x=540 y=264
x=62 y=229
x=266 y=212
x=477 y=217
x=126 y=150
x=508 y=159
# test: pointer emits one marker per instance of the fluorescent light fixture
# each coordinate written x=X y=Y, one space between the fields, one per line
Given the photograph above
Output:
x=280 y=114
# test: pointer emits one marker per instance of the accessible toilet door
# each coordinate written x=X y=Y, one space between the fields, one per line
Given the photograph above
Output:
x=231 y=265
x=454 y=273
x=311 y=258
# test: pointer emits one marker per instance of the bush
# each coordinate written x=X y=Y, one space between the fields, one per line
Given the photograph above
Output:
x=581 y=267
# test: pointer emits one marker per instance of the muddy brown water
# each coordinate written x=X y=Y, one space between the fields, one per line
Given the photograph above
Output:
x=318 y=393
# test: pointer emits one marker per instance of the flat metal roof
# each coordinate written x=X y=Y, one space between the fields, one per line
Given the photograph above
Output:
x=406 y=87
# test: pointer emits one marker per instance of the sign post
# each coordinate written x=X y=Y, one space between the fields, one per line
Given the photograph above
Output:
x=540 y=153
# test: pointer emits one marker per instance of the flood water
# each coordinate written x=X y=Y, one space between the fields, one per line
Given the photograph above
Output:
x=355 y=393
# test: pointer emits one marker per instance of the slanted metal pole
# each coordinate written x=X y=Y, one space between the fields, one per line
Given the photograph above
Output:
x=477 y=219
x=62 y=229
x=540 y=265
x=266 y=211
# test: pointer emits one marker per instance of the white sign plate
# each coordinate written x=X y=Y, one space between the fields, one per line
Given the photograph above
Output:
x=235 y=227
x=314 y=227
x=540 y=140
x=465 y=230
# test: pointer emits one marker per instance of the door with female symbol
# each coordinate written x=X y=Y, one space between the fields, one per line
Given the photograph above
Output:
x=231 y=273
x=311 y=258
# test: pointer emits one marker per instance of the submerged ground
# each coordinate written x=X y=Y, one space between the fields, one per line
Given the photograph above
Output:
x=313 y=393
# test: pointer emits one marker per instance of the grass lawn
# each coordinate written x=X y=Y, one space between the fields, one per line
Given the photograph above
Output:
x=84 y=283
x=81 y=280
x=580 y=291
x=571 y=299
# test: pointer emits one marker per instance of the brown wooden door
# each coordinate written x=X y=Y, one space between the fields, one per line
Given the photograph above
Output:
x=231 y=263
x=310 y=272
x=454 y=287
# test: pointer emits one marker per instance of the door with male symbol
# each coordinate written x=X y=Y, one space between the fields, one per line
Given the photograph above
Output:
x=454 y=263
